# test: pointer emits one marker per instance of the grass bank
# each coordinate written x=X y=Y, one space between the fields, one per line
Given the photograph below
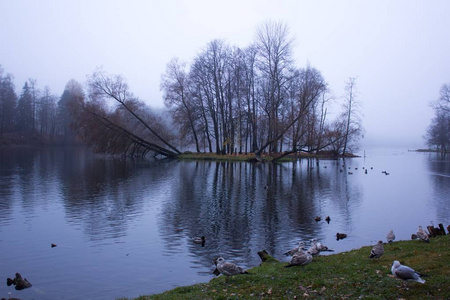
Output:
x=347 y=275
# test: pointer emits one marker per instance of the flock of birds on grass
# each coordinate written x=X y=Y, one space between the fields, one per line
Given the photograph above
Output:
x=303 y=255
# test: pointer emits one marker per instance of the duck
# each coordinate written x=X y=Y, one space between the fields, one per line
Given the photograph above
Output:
x=199 y=240
x=340 y=236
x=318 y=218
x=328 y=219
x=19 y=282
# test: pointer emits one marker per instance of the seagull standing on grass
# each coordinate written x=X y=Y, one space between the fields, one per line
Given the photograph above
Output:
x=300 y=259
x=313 y=250
x=377 y=250
x=421 y=234
x=405 y=272
x=300 y=247
x=319 y=246
x=390 y=236
x=229 y=269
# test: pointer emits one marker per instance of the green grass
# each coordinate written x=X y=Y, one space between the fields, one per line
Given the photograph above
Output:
x=347 y=275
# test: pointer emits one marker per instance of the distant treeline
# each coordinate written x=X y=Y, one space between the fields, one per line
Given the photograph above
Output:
x=34 y=111
x=438 y=133
x=228 y=100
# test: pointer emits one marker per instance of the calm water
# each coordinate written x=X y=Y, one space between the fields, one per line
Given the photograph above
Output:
x=123 y=228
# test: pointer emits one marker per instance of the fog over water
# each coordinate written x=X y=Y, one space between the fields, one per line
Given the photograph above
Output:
x=399 y=50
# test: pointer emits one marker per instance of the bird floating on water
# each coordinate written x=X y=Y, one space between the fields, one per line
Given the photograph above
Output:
x=318 y=218
x=19 y=282
x=199 y=240
x=228 y=269
x=377 y=250
x=328 y=219
x=340 y=236
x=421 y=234
x=405 y=272
x=390 y=237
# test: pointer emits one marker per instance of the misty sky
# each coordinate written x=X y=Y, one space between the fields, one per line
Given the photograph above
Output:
x=399 y=50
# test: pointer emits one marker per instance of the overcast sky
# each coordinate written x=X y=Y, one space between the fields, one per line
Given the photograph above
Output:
x=399 y=50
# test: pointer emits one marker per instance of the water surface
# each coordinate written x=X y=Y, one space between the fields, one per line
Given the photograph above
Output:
x=124 y=227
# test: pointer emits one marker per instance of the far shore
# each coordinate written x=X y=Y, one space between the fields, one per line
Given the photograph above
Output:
x=431 y=150
x=36 y=141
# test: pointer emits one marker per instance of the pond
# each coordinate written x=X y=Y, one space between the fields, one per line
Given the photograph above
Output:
x=123 y=228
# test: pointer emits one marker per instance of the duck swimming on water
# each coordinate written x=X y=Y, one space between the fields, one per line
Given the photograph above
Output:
x=199 y=240
x=340 y=236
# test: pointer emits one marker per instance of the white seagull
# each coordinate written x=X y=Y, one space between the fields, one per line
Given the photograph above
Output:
x=300 y=247
x=405 y=272
x=319 y=246
x=228 y=268
x=390 y=236
x=377 y=250
x=313 y=250
x=421 y=234
x=300 y=259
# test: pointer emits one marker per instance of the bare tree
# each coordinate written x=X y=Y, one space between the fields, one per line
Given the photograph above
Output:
x=353 y=129
x=443 y=103
x=210 y=79
x=274 y=50
x=177 y=97
x=305 y=90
